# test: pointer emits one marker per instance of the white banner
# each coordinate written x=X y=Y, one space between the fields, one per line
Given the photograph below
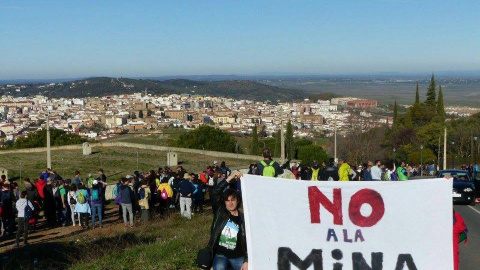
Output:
x=348 y=225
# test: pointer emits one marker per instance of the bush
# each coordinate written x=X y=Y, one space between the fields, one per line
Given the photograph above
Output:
x=57 y=138
x=307 y=154
x=209 y=137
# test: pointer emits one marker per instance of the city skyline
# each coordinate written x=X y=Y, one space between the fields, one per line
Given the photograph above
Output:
x=54 y=39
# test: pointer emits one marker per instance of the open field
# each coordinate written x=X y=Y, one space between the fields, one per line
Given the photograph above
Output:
x=116 y=162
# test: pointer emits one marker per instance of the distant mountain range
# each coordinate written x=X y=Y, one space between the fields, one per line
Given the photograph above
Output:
x=102 y=86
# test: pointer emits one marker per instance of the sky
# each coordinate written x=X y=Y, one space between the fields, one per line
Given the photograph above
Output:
x=70 y=39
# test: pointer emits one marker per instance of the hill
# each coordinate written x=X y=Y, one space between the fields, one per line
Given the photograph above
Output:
x=101 y=86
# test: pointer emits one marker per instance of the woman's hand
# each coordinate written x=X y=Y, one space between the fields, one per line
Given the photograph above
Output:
x=235 y=174
x=244 y=266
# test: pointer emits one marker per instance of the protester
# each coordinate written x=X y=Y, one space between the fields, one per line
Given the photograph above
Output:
x=126 y=194
x=77 y=180
x=459 y=227
x=144 y=195
x=7 y=214
x=224 y=169
x=96 y=203
x=72 y=201
x=229 y=251
x=402 y=172
x=83 y=206
x=315 y=175
x=268 y=167
x=165 y=192
x=344 y=170
x=25 y=212
x=186 y=189
x=376 y=171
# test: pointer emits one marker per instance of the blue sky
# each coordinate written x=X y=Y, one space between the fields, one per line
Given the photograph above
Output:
x=62 y=39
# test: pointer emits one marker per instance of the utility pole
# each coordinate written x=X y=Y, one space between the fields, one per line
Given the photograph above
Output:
x=49 y=154
x=438 y=155
x=137 y=151
x=335 y=139
x=445 y=149
x=282 y=136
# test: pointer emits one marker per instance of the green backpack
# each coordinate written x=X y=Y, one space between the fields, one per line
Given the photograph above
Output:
x=81 y=197
x=268 y=169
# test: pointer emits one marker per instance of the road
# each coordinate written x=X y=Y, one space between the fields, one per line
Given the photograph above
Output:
x=470 y=254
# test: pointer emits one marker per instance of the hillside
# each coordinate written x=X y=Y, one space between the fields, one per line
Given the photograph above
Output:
x=101 y=86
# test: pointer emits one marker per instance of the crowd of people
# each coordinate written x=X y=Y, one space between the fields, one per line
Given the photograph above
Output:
x=81 y=201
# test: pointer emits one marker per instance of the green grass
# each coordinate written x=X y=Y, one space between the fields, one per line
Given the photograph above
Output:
x=117 y=162
x=162 y=244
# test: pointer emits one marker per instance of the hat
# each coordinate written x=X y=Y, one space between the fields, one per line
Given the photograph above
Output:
x=128 y=176
x=95 y=182
x=360 y=166
x=215 y=162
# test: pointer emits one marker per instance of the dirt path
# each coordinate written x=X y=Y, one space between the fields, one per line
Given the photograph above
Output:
x=44 y=234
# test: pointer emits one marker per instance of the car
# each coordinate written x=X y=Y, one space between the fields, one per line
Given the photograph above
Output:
x=464 y=190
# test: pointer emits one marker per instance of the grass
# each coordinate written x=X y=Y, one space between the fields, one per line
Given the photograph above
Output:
x=116 y=162
x=168 y=244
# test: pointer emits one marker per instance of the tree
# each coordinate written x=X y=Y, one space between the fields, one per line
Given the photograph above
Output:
x=289 y=144
x=417 y=96
x=440 y=106
x=208 y=137
x=278 y=144
x=431 y=93
x=395 y=113
x=308 y=153
x=39 y=139
x=254 y=147
x=140 y=114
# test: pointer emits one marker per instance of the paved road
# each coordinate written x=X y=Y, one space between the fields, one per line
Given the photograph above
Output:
x=470 y=254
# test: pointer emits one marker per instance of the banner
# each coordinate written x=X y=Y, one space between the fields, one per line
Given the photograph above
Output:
x=348 y=225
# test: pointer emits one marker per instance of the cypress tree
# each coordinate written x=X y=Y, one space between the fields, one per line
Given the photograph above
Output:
x=289 y=144
x=254 y=146
x=431 y=94
x=278 y=144
x=440 y=106
x=395 y=113
x=417 y=96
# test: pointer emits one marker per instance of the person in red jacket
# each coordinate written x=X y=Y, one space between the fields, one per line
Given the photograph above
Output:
x=40 y=184
x=458 y=227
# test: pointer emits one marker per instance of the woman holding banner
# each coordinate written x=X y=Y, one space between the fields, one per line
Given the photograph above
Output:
x=228 y=242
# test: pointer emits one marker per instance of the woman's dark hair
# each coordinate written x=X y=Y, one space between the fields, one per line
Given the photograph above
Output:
x=164 y=180
x=95 y=186
x=23 y=194
x=222 y=164
x=235 y=194
x=73 y=187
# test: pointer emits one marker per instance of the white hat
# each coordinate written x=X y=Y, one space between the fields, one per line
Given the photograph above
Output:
x=95 y=182
x=215 y=162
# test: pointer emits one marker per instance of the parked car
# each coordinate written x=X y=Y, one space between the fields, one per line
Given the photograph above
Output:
x=464 y=190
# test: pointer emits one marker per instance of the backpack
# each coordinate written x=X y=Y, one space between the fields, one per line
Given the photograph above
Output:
x=141 y=193
x=95 y=195
x=115 y=191
x=268 y=169
x=28 y=212
x=118 y=199
x=81 y=197
x=72 y=199
x=385 y=176
x=164 y=194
